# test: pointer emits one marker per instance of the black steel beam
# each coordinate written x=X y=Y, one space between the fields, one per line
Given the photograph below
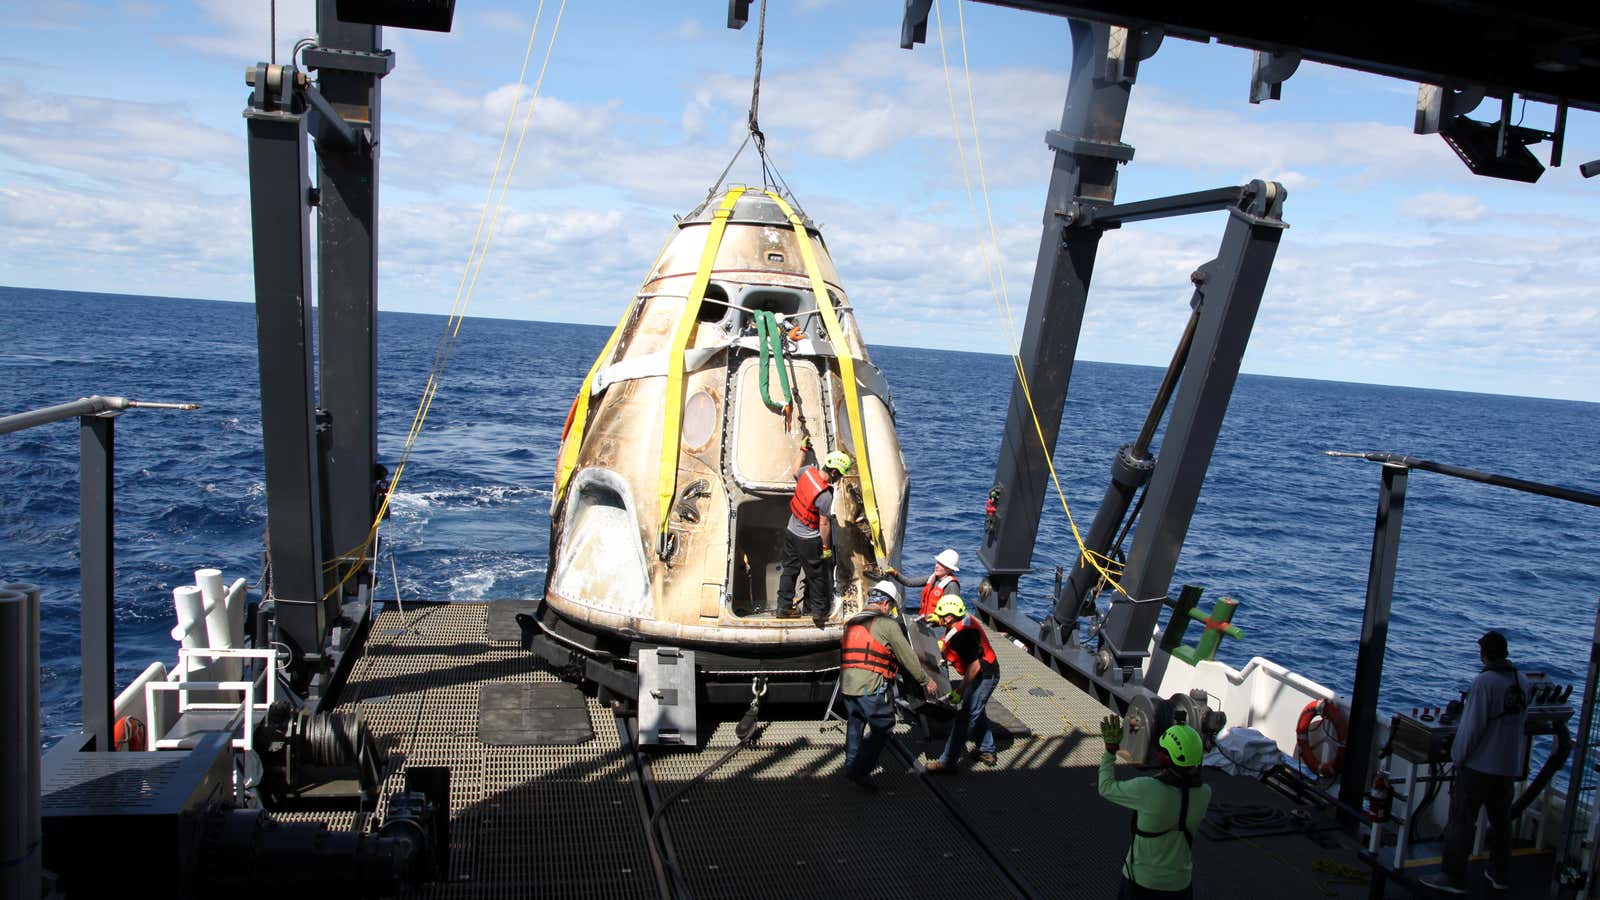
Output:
x=1537 y=50
x=281 y=237
x=1158 y=208
x=1374 y=635
x=96 y=624
x=1085 y=171
x=1232 y=296
x=1587 y=498
x=347 y=290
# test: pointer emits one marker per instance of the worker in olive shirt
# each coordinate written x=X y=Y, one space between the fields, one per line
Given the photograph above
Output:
x=871 y=653
x=1167 y=809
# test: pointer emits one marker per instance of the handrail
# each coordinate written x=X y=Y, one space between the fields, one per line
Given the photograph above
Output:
x=97 y=419
x=86 y=406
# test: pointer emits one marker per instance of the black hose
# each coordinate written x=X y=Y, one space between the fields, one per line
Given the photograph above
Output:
x=1557 y=759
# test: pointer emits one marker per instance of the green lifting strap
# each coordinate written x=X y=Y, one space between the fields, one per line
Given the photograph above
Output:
x=769 y=338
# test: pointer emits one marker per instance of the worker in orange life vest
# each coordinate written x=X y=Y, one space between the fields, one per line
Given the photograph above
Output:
x=942 y=583
x=870 y=656
x=966 y=648
x=808 y=540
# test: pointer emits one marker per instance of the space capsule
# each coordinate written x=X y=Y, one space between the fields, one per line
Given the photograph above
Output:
x=676 y=467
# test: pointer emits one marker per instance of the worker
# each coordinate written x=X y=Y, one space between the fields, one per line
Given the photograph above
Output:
x=1167 y=808
x=808 y=541
x=942 y=583
x=1487 y=753
x=966 y=648
x=871 y=654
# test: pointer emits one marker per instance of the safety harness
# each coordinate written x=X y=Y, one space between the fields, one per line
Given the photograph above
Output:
x=1167 y=777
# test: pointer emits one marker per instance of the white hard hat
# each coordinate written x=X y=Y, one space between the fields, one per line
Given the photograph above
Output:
x=948 y=558
x=888 y=588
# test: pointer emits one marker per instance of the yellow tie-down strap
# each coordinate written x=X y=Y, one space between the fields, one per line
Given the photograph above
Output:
x=672 y=419
x=847 y=373
x=580 y=406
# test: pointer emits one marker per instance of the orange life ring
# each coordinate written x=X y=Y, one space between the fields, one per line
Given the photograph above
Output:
x=128 y=734
x=1320 y=736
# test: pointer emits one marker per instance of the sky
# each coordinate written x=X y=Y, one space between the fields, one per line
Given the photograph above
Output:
x=122 y=169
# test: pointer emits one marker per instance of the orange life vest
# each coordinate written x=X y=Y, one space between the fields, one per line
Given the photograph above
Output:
x=954 y=658
x=858 y=649
x=932 y=591
x=804 y=502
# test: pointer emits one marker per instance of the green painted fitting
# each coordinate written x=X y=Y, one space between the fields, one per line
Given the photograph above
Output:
x=1217 y=624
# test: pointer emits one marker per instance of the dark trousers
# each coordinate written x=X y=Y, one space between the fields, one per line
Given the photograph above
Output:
x=861 y=750
x=1474 y=789
x=1130 y=891
x=801 y=552
x=972 y=720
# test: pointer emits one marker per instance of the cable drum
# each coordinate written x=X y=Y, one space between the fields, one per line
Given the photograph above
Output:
x=338 y=740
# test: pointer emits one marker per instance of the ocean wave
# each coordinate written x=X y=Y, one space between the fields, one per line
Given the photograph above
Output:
x=483 y=495
x=476 y=584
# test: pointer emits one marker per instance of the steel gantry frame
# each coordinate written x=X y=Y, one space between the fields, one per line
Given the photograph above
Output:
x=1080 y=206
x=319 y=416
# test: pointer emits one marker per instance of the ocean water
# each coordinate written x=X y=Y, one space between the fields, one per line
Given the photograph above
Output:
x=1282 y=528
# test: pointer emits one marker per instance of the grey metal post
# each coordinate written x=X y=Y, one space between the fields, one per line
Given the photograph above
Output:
x=280 y=225
x=1374 y=634
x=96 y=627
x=1088 y=149
x=19 y=741
x=347 y=281
x=1232 y=297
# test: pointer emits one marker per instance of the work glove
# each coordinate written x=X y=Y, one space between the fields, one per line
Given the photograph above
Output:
x=953 y=698
x=1111 y=732
x=827 y=553
x=805 y=442
x=892 y=571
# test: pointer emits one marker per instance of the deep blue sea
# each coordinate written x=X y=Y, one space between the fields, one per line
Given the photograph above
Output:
x=1282 y=528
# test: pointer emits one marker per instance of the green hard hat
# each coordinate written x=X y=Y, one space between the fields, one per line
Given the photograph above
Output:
x=839 y=461
x=1182 y=743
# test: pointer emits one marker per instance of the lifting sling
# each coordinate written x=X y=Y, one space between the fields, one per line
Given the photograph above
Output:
x=769 y=338
x=847 y=373
x=672 y=413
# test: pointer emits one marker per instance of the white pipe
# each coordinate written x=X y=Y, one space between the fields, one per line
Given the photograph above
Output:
x=218 y=636
x=191 y=631
x=19 y=740
x=236 y=604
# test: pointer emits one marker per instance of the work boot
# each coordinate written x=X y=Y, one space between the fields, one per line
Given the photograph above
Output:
x=939 y=767
x=788 y=611
x=1495 y=884
x=986 y=757
x=864 y=782
x=1443 y=884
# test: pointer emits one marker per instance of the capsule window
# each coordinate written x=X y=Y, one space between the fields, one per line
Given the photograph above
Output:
x=699 y=419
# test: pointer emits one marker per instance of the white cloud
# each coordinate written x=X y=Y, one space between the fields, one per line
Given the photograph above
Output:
x=1433 y=207
x=244 y=31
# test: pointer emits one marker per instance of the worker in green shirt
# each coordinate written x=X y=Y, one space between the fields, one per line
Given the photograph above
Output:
x=1167 y=808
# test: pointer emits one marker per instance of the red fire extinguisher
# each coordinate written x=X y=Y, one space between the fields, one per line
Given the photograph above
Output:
x=1380 y=798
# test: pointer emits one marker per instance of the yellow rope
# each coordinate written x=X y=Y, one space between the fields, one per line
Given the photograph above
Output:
x=998 y=291
x=469 y=278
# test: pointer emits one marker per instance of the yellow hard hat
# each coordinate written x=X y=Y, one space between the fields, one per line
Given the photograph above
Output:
x=951 y=605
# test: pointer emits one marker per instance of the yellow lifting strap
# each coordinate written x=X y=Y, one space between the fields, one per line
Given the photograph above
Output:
x=672 y=418
x=580 y=412
x=847 y=373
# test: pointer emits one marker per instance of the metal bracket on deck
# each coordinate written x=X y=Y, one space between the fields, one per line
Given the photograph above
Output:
x=667 y=697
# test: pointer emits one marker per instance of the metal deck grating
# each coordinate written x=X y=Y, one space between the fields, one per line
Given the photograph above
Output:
x=777 y=820
x=823 y=836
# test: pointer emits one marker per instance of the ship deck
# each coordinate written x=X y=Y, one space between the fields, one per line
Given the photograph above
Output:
x=778 y=819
